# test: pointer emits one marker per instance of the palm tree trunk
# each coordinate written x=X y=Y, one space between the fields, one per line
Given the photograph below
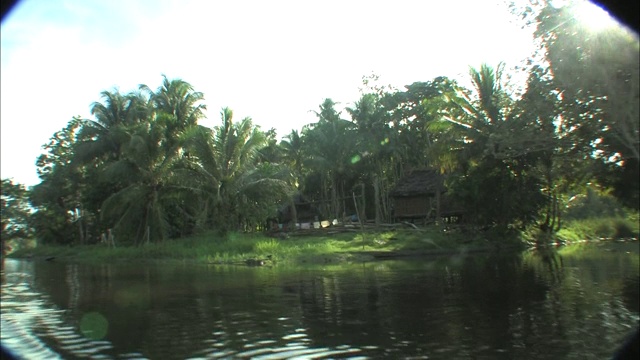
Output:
x=80 y=229
x=324 y=209
x=334 y=198
x=556 y=213
x=438 y=221
x=364 y=202
x=550 y=216
x=294 y=212
x=385 y=205
x=376 y=198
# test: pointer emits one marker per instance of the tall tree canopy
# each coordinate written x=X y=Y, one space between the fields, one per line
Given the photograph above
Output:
x=596 y=73
x=143 y=168
x=14 y=211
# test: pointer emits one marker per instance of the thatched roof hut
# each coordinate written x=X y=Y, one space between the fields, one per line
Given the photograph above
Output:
x=420 y=194
x=419 y=182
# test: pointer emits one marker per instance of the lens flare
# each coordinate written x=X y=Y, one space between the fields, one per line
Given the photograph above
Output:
x=93 y=325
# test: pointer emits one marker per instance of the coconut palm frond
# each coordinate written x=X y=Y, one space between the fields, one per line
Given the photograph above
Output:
x=123 y=171
x=126 y=203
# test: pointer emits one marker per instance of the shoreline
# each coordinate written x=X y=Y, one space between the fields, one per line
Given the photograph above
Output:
x=259 y=249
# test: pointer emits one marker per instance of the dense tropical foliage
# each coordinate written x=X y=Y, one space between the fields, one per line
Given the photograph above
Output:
x=14 y=212
x=144 y=169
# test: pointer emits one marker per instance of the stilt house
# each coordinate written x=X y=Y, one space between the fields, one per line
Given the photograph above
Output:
x=420 y=195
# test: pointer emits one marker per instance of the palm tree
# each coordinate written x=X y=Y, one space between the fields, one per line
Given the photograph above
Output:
x=293 y=152
x=99 y=143
x=375 y=148
x=152 y=178
x=179 y=107
x=101 y=139
x=238 y=187
x=471 y=121
x=330 y=152
x=178 y=99
x=137 y=209
x=495 y=179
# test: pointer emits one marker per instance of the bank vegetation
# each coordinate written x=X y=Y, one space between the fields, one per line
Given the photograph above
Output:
x=541 y=161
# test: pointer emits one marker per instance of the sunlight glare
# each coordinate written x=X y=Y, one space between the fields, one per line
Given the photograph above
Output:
x=592 y=16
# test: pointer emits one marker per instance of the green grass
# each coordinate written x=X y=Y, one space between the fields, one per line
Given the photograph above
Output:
x=599 y=229
x=237 y=248
x=325 y=248
x=589 y=229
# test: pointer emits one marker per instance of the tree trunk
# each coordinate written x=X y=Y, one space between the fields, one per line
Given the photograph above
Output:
x=552 y=206
x=557 y=213
x=324 y=208
x=80 y=230
x=355 y=203
x=87 y=234
x=294 y=212
x=364 y=202
x=376 y=198
x=334 y=199
x=438 y=216
x=386 y=214
x=550 y=216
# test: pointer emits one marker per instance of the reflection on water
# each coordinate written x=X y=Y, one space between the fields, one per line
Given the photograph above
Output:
x=573 y=304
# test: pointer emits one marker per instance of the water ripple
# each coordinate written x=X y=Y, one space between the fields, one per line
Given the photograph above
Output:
x=29 y=322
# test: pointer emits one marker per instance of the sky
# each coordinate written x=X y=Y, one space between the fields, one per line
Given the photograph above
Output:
x=274 y=61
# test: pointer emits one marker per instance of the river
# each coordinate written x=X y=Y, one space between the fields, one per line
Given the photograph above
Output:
x=577 y=303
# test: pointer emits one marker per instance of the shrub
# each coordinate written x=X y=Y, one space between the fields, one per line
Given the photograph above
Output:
x=623 y=229
x=603 y=229
x=607 y=228
x=594 y=205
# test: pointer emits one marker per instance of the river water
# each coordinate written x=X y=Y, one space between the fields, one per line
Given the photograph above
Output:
x=578 y=303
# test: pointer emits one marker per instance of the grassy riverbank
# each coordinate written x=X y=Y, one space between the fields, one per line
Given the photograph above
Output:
x=243 y=248
x=327 y=247
x=591 y=229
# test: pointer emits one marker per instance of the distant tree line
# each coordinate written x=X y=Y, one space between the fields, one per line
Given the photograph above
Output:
x=144 y=169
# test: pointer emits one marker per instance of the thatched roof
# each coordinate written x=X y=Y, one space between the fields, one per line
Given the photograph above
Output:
x=419 y=182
